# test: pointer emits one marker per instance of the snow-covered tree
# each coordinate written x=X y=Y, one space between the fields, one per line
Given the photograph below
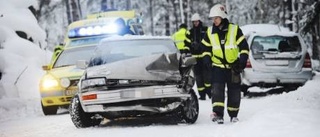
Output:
x=22 y=44
x=162 y=17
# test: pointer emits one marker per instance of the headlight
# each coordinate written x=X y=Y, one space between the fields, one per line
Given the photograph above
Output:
x=124 y=82
x=95 y=82
x=49 y=81
x=65 y=82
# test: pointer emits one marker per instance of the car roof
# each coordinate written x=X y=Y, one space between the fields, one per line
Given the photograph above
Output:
x=134 y=37
x=266 y=30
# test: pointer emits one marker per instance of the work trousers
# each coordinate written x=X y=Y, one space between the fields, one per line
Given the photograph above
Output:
x=222 y=78
x=203 y=78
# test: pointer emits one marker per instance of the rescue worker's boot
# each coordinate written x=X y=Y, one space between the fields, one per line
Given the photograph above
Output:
x=215 y=118
x=234 y=120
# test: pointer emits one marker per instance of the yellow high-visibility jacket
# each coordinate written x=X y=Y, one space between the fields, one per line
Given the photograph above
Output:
x=225 y=46
x=179 y=38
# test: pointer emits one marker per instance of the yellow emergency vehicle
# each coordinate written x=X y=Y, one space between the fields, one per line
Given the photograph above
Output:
x=59 y=84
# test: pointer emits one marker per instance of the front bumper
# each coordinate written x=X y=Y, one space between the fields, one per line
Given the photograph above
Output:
x=252 y=78
x=133 y=94
x=56 y=101
x=57 y=97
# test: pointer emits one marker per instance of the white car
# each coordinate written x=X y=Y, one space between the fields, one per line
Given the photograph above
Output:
x=135 y=76
x=277 y=57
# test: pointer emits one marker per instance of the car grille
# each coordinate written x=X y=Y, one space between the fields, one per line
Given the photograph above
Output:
x=114 y=83
x=74 y=82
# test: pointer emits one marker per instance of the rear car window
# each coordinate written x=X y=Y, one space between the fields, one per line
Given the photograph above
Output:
x=275 y=44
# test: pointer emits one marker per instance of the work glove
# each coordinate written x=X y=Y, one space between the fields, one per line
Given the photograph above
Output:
x=240 y=64
x=236 y=67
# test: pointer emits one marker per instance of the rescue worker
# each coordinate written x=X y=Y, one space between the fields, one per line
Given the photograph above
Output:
x=202 y=72
x=179 y=38
x=227 y=49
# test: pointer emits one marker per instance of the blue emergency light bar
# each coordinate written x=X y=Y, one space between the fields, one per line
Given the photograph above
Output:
x=94 y=30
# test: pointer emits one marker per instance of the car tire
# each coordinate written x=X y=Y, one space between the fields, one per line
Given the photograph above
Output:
x=49 y=110
x=291 y=87
x=190 y=110
x=80 y=118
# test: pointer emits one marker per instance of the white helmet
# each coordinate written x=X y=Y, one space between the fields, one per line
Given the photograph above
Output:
x=195 y=17
x=218 y=10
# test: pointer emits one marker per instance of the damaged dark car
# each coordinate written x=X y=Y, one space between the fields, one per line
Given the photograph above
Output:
x=135 y=76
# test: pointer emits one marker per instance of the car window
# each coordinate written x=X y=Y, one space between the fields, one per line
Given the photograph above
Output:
x=70 y=56
x=279 y=44
x=120 y=50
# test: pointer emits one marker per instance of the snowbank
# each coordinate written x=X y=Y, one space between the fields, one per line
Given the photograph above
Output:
x=20 y=59
x=293 y=114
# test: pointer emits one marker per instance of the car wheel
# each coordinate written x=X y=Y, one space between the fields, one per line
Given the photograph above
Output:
x=244 y=89
x=80 y=118
x=49 y=110
x=190 y=110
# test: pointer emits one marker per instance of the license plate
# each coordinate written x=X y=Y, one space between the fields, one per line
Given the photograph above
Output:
x=277 y=63
x=70 y=92
x=136 y=94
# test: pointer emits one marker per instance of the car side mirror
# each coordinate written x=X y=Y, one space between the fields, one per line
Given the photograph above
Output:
x=188 y=61
x=81 y=64
x=46 y=67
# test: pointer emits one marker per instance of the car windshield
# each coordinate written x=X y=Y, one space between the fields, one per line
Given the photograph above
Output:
x=126 y=49
x=275 y=44
x=85 y=41
x=70 y=56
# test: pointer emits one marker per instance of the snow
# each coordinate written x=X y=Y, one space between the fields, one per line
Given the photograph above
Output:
x=266 y=28
x=293 y=114
x=11 y=18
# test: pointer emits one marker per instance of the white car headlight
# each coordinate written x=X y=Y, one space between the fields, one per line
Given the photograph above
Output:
x=123 y=81
x=65 y=82
x=49 y=81
x=93 y=82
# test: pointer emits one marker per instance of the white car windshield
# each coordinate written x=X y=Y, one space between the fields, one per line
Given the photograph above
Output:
x=126 y=49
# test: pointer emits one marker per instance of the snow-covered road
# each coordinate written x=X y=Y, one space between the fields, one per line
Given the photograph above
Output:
x=294 y=114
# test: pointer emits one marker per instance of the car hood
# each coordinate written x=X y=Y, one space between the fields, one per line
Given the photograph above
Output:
x=154 y=67
x=69 y=72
